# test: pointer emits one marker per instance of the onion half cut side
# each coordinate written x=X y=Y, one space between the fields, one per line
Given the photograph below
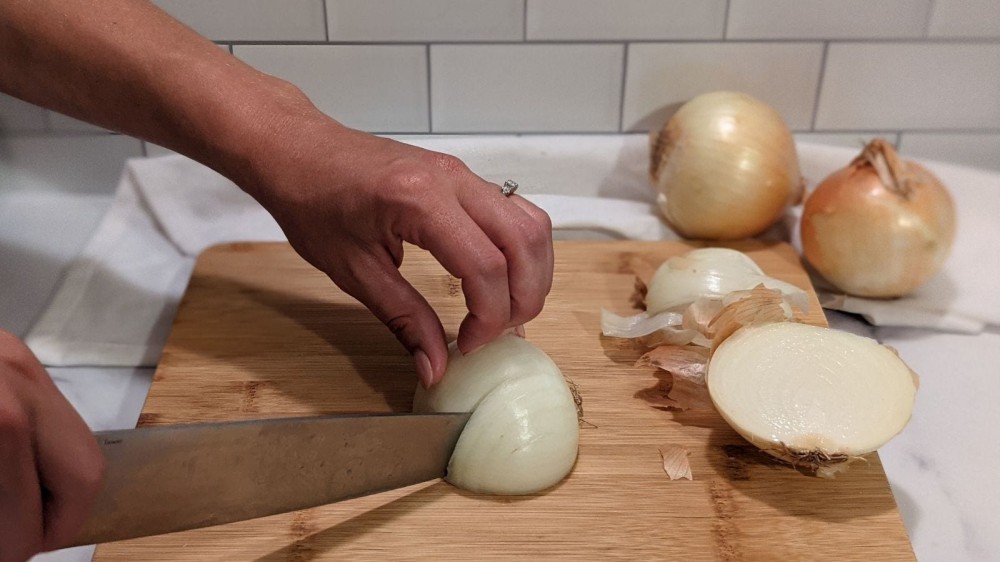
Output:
x=815 y=397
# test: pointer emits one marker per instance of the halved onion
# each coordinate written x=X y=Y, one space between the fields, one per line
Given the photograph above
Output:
x=815 y=397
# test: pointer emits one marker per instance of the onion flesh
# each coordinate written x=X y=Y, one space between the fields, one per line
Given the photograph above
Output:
x=813 y=396
x=725 y=167
x=523 y=434
x=880 y=227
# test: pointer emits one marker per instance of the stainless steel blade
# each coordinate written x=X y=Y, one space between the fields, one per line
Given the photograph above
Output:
x=166 y=479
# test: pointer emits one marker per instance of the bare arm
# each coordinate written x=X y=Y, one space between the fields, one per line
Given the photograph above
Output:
x=346 y=200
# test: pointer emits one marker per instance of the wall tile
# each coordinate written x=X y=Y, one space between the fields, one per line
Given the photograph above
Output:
x=425 y=20
x=910 y=86
x=20 y=116
x=379 y=88
x=965 y=18
x=251 y=20
x=625 y=19
x=80 y=164
x=661 y=76
x=976 y=150
x=522 y=88
x=822 y=19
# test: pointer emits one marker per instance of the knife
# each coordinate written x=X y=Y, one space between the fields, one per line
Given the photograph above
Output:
x=174 y=478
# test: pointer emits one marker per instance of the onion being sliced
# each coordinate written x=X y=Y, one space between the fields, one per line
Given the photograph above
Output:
x=815 y=397
x=524 y=432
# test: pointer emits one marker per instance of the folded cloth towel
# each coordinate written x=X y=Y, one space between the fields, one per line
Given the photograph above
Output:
x=117 y=301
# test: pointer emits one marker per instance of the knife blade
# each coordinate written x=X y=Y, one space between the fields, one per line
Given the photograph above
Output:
x=174 y=478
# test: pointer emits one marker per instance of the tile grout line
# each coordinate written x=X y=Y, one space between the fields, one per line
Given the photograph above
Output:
x=621 y=100
x=326 y=23
x=819 y=85
x=928 y=14
x=725 y=21
x=524 y=21
x=430 y=104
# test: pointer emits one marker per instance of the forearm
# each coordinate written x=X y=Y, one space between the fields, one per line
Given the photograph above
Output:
x=128 y=66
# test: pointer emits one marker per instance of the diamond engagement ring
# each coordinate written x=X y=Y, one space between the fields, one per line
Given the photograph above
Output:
x=509 y=187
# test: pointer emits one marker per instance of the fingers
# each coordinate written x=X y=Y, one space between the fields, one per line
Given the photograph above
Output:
x=51 y=468
x=523 y=233
x=20 y=496
x=70 y=468
x=375 y=281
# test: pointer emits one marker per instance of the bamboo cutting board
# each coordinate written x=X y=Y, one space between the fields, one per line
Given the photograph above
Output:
x=261 y=334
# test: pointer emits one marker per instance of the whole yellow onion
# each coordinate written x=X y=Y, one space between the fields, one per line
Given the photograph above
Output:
x=725 y=167
x=880 y=227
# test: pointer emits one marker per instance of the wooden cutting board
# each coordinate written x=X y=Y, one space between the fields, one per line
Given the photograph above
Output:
x=259 y=333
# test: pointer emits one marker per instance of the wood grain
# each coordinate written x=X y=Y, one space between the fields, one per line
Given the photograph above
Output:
x=261 y=334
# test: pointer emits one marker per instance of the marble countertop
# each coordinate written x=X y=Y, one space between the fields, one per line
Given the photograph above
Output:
x=941 y=468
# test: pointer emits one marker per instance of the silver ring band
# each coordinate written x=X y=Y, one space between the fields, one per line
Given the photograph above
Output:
x=509 y=187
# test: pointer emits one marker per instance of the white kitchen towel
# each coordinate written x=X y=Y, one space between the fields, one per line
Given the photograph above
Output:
x=118 y=299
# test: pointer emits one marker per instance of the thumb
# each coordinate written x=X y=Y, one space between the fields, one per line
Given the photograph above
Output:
x=382 y=289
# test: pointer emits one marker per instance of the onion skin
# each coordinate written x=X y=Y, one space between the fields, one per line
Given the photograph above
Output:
x=725 y=166
x=878 y=234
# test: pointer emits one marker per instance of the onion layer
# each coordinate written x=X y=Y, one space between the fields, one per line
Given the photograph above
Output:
x=725 y=167
x=880 y=227
x=524 y=432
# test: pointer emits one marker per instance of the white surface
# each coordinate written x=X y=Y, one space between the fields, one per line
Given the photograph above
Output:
x=425 y=20
x=71 y=163
x=822 y=19
x=19 y=116
x=662 y=76
x=251 y=20
x=910 y=85
x=941 y=467
x=965 y=18
x=525 y=88
x=369 y=87
x=66 y=124
x=976 y=150
x=625 y=19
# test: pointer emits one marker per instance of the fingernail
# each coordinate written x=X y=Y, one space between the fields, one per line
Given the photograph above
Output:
x=519 y=330
x=424 y=370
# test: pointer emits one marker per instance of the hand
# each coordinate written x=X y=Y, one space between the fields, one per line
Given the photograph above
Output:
x=347 y=201
x=50 y=465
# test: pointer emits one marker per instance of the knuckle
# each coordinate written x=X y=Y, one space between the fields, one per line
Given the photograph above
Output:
x=15 y=423
x=492 y=265
x=447 y=162
x=536 y=235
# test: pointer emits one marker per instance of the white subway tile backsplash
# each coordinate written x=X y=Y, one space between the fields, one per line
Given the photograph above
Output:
x=823 y=19
x=251 y=20
x=965 y=18
x=526 y=88
x=625 y=19
x=379 y=88
x=78 y=164
x=976 y=150
x=910 y=86
x=425 y=20
x=662 y=76
x=18 y=116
